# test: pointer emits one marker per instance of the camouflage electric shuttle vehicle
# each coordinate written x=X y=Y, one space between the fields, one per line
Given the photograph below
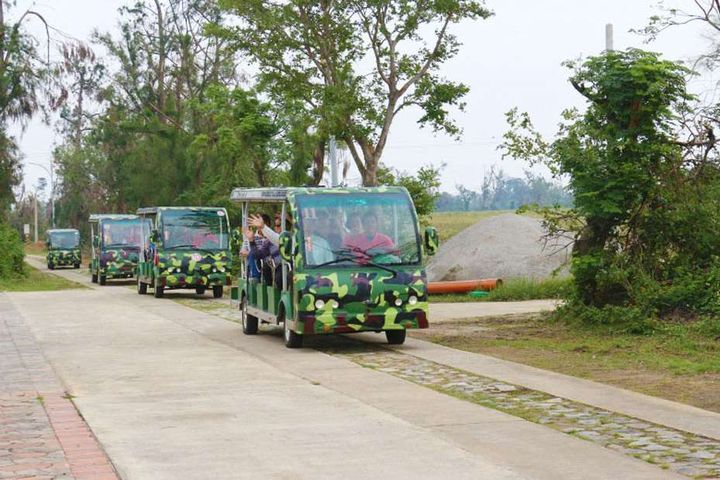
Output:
x=116 y=243
x=184 y=247
x=352 y=261
x=63 y=245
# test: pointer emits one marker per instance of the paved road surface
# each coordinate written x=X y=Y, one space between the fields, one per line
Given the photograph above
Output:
x=174 y=393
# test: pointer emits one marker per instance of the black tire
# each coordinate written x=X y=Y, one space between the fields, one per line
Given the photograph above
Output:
x=141 y=287
x=159 y=290
x=93 y=278
x=103 y=280
x=249 y=322
x=51 y=266
x=200 y=290
x=292 y=339
x=77 y=265
x=217 y=291
x=395 y=337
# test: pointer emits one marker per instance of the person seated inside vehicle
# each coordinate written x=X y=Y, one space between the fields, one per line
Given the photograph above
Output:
x=261 y=249
x=368 y=239
x=205 y=239
x=317 y=248
x=330 y=229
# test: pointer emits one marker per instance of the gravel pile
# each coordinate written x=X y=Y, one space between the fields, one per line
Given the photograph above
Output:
x=505 y=246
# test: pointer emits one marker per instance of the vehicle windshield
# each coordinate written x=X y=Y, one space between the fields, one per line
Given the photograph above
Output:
x=358 y=229
x=121 y=233
x=195 y=229
x=64 y=240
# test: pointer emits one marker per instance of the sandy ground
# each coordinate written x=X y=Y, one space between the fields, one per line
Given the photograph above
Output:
x=505 y=246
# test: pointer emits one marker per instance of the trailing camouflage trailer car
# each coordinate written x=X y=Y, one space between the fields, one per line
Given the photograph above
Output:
x=184 y=247
x=352 y=261
x=63 y=245
x=116 y=243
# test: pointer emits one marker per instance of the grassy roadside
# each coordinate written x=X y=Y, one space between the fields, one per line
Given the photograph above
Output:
x=513 y=290
x=679 y=363
x=449 y=224
x=37 y=281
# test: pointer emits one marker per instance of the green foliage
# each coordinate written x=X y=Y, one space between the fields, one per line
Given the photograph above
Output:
x=309 y=53
x=12 y=256
x=646 y=215
x=424 y=186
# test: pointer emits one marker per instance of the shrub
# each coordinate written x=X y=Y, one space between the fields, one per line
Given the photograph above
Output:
x=11 y=253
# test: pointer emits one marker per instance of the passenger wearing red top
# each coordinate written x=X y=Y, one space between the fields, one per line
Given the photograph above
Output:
x=370 y=238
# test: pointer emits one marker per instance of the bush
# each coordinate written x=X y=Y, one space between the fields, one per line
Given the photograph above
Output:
x=12 y=255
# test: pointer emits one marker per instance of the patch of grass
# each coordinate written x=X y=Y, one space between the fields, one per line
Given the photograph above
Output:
x=678 y=362
x=36 y=281
x=449 y=224
x=516 y=289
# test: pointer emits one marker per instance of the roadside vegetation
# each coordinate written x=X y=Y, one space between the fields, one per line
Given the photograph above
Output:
x=33 y=280
x=678 y=361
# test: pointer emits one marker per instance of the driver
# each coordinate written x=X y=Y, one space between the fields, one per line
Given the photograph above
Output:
x=370 y=238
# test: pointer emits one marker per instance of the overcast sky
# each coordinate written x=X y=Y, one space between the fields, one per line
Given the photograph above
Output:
x=512 y=59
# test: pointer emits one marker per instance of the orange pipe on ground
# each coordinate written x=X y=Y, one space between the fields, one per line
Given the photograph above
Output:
x=464 y=286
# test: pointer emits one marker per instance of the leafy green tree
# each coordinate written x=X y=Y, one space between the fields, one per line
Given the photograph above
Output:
x=21 y=74
x=423 y=187
x=626 y=170
x=309 y=53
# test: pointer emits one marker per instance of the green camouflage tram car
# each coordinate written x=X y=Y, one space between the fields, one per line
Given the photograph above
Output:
x=63 y=246
x=351 y=261
x=116 y=243
x=184 y=248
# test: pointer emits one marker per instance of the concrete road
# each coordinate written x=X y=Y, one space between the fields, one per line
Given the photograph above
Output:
x=173 y=393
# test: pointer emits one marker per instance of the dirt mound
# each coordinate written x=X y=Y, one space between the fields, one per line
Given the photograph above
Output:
x=505 y=246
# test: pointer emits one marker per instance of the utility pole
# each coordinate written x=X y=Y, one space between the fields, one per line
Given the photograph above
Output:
x=36 y=219
x=609 y=37
x=332 y=153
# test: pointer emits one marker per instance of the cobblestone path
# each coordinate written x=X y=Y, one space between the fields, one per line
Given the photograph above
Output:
x=682 y=452
x=42 y=436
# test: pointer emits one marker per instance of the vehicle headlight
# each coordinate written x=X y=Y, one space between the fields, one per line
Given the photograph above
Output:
x=412 y=300
x=178 y=270
x=319 y=304
x=214 y=270
x=398 y=302
x=334 y=304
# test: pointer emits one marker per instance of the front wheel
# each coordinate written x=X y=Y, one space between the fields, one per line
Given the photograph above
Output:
x=141 y=287
x=200 y=290
x=103 y=279
x=94 y=278
x=249 y=322
x=159 y=290
x=395 y=337
x=217 y=291
x=292 y=339
x=51 y=266
x=77 y=265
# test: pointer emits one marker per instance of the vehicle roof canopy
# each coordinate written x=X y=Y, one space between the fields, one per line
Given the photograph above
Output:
x=153 y=210
x=96 y=217
x=62 y=230
x=280 y=194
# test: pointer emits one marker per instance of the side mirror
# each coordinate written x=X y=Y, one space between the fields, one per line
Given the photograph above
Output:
x=236 y=236
x=285 y=246
x=154 y=236
x=432 y=240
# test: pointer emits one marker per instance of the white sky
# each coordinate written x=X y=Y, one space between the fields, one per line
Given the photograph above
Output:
x=512 y=59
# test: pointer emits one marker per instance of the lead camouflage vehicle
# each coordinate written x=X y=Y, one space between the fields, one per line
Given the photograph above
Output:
x=352 y=261
x=63 y=245
x=184 y=247
x=116 y=243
